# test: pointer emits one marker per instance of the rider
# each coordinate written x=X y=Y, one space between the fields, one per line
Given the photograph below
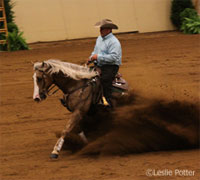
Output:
x=107 y=53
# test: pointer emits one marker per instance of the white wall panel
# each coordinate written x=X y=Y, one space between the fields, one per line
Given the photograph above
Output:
x=153 y=15
x=51 y=20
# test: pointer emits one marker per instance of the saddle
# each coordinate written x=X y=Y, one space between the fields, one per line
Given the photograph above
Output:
x=120 y=83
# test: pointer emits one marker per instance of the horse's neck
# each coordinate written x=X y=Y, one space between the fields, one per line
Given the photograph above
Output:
x=66 y=84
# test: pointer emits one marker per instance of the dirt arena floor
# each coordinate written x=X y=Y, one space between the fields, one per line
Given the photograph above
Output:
x=162 y=65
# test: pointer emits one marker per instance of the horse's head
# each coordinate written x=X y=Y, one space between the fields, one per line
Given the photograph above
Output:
x=42 y=81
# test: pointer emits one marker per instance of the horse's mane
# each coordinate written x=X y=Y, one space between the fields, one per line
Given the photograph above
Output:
x=71 y=70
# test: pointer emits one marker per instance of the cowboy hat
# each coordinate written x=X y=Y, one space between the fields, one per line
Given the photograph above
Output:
x=106 y=23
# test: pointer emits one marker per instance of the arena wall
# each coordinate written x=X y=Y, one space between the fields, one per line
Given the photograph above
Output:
x=52 y=20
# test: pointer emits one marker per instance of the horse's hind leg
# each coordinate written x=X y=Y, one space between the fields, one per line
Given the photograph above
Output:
x=83 y=137
x=73 y=121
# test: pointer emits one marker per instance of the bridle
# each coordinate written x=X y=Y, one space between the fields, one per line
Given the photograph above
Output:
x=52 y=86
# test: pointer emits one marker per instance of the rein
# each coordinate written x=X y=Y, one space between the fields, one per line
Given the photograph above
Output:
x=82 y=87
x=66 y=96
x=52 y=86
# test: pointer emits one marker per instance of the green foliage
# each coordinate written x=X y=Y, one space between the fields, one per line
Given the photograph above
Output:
x=12 y=27
x=190 y=21
x=16 y=41
x=3 y=47
x=191 y=25
x=188 y=13
x=9 y=12
x=177 y=7
x=15 y=38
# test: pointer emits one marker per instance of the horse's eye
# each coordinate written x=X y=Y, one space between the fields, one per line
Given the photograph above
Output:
x=39 y=79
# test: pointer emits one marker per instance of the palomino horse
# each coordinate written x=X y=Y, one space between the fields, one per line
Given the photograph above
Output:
x=80 y=85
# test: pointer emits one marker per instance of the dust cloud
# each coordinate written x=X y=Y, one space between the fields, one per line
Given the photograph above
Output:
x=139 y=125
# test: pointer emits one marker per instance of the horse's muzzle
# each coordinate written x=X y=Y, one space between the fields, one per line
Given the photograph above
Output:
x=37 y=99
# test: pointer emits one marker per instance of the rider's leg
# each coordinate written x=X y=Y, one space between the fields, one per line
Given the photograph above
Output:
x=108 y=73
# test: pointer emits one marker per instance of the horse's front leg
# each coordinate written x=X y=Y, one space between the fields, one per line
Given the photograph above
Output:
x=73 y=121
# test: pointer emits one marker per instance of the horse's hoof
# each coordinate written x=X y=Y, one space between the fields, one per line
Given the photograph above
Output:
x=54 y=156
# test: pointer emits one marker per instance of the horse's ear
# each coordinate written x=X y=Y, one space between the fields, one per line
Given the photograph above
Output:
x=38 y=66
x=45 y=66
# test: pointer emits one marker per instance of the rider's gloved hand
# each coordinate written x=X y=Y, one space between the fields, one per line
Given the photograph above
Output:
x=94 y=57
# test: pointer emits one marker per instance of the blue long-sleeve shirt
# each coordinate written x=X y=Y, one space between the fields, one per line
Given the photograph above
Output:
x=109 y=50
